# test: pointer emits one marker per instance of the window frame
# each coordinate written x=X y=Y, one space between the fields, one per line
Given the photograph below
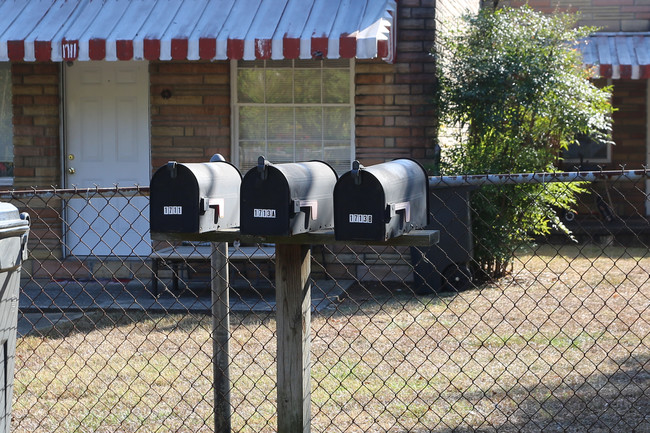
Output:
x=234 y=148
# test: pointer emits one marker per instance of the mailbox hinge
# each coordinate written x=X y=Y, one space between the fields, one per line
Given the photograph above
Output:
x=172 y=166
x=356 y=171
x=262 y=167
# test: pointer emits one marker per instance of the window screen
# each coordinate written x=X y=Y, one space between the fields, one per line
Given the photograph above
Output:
x=293 y=111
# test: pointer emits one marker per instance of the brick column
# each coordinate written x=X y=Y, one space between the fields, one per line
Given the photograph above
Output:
x=393 y=112
x=36 y=121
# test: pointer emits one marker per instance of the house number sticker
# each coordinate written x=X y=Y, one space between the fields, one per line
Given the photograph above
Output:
x=172 y=210
x=264 y=213
x=70 y=50
x=360 y=218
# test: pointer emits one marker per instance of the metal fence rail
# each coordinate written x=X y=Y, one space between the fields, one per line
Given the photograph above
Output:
x=402 y=339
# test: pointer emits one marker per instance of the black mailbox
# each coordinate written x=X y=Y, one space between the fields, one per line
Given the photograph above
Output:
x=381 y=201
x=287 y=199
x=195 y=197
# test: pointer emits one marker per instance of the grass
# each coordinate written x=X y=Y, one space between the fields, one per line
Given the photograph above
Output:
x=562 y=344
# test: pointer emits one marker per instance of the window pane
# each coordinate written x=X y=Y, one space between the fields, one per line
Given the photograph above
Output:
x=338 y=156
x=249 y=151
x=280 y=152
x=280 y=123
x=251 y=123
x=278 y=86
x=6 y=128
x=588 y=150
x=336 y=86
x=307 y=151
x=307 y=86
x=309 y=123
x=299 y=111
x=336 y=123
x=250 y=85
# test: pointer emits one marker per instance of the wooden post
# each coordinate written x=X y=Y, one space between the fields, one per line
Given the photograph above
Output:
x=220 y=336
x=293 y=318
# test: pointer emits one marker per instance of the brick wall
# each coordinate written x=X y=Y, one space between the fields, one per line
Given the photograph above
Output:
x=610 y=15
x=193 y=123
x=35 y=88
x=629 y=134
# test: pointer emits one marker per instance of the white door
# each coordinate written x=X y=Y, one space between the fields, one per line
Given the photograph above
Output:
x=107 y=143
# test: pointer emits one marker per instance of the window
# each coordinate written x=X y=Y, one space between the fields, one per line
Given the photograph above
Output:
x=6 y=128
x=293 y=111
x=591 y=149
x=588 y=149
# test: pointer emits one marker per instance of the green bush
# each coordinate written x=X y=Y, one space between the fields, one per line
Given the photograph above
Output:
x=512 y=86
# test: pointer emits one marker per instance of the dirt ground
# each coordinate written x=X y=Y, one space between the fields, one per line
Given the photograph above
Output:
x=562 y=345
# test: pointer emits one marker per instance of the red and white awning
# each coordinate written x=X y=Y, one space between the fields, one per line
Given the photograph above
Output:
x=618 y=55
x=66 y=30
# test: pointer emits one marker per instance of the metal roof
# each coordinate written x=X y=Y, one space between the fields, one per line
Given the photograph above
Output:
x=65 y=30
x=618 y=55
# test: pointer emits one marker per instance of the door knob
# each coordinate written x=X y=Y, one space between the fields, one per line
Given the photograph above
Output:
x=71 y=170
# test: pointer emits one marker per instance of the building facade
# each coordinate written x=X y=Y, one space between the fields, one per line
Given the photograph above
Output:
x=97 y=94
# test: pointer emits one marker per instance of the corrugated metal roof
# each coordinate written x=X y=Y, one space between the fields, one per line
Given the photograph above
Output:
x=618 y=55
x=62 y=30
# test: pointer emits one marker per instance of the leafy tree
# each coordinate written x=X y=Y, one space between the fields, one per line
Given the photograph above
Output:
x=512 y=84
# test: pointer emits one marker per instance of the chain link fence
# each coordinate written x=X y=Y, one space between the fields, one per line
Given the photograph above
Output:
x=115 y=332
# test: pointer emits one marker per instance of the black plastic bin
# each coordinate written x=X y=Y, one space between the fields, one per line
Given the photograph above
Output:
x=14 y=230
x=445 y=266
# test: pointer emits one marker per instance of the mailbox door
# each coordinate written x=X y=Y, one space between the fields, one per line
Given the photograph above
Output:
x=311 y=187
x=218 y=199
x=405 y=181
x=359 y=210
x=288 y=199
x=174 y=201
x=264 y=204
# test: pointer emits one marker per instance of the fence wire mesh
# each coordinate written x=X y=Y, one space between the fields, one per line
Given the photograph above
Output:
x=115 y=332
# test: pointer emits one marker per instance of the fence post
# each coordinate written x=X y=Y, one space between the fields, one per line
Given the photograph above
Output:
x=293 y=317
x=220 y=282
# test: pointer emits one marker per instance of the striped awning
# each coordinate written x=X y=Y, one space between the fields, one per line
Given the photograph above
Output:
x=618 y=55
x=66 y=30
